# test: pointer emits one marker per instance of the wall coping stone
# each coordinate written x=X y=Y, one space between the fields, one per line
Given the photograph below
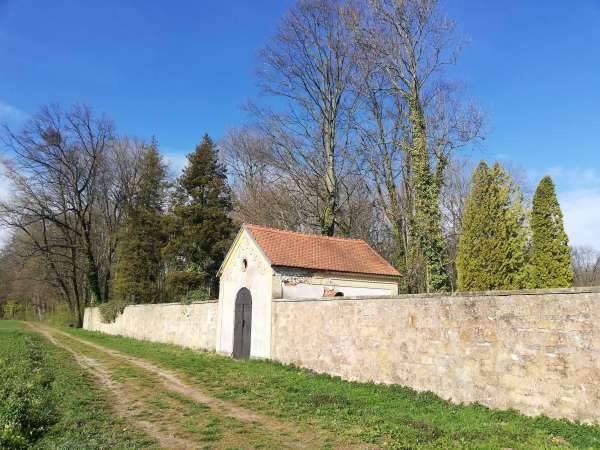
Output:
x=562 y=291
x=202 y=302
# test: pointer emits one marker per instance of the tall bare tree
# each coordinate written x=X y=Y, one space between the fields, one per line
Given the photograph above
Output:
x=260 y=195
x=263 y=195
x=56 y=168
x=118 y=181
x=412 y=125
x=72 y=179
x=307 y=66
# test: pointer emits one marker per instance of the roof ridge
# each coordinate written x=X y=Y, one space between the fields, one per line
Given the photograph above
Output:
x=338 y=238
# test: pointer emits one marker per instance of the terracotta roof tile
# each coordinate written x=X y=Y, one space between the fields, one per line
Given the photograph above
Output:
x=309 y=251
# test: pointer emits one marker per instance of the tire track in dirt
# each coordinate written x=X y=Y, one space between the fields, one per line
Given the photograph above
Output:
x=174 y=383
x=123 y=405
x=289 y=434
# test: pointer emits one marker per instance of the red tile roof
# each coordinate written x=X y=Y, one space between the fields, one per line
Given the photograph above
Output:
x=309 y=251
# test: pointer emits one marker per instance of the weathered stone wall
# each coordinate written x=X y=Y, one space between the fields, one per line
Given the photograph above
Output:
x=193 y=325
x=537 y=351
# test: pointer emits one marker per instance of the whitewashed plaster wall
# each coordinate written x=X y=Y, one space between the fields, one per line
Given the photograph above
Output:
x=299 y=283
x=256 y=277
x=192 y=326
x=308 y=290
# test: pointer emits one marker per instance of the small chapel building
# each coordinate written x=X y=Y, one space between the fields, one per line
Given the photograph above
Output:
x=266 y=263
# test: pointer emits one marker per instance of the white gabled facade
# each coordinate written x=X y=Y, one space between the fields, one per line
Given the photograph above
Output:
x=257 y=276
x=247 y=266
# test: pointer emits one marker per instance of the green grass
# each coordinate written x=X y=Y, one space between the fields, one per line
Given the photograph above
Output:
x=388 y=416
x=26 y=407
x=49 y=402
x=174 y=414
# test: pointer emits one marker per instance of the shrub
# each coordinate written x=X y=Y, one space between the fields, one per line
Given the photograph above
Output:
x=11 y=309
x=196 y=295
x=109 y=311
x=180 y=283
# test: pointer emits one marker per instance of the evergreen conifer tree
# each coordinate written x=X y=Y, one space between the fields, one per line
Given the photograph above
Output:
x=550 y=252
x=492 y=247
x=139 y=263
x=202 y=227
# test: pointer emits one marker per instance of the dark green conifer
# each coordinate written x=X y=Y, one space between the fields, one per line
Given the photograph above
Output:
x=202 y=228
x=550 y=252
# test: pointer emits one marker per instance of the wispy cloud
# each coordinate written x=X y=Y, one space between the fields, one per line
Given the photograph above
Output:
x=579 y=196
x=176 y=159
x=10 y=114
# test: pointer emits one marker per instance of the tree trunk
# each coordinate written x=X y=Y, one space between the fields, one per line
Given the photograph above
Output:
x=427 y=212
x=330 y=182
x=91 y=269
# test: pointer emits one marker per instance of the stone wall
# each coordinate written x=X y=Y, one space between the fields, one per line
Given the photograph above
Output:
x=193 y=326
x=535 y=351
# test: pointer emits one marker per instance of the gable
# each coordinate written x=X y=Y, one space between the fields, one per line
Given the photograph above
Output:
x=244 y=247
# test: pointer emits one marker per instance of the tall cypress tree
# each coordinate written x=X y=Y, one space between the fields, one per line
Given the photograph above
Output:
x=550 y=255
x=139 y=263
x=202 y=204
x=492 y=247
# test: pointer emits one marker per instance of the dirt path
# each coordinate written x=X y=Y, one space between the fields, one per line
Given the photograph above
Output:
x=176 y=413
x=122 y=403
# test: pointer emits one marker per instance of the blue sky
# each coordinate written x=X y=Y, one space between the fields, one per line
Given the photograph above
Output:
x=178 y=69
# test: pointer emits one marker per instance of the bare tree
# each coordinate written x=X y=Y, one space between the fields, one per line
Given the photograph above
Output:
x=263 y=195
x=586 y=266
x=117 y=181
x=412 y=125
x=308 y=67
x=53 y=250
x=27 y=280
x=260 y=194
x=55 y=167
x=454 y=192
x=72 y=178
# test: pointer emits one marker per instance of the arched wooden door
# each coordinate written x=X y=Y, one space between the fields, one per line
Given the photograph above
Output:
x=242 y=331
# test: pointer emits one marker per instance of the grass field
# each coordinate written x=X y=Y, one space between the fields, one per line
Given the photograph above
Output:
x=386 y=416
x=48 y=402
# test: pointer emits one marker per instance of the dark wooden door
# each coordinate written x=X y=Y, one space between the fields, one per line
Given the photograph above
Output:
x=242 y=331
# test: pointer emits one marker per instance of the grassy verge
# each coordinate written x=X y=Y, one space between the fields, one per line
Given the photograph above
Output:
x=388 y=416
x=48 y=402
